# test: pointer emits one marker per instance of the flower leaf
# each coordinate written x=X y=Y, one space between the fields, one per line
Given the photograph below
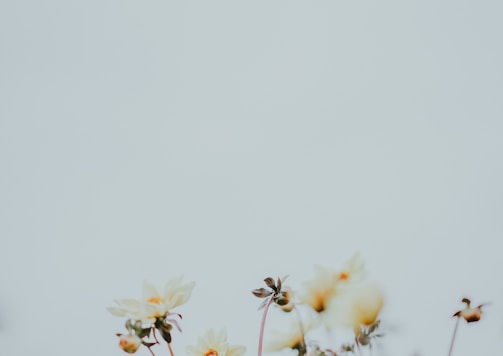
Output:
x=270 y=283
x=261 y=292
x=148 y=344
x=144 y=332
x=165 y=330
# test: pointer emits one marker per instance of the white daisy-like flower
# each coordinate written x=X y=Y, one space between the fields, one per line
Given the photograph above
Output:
x=154 y=304
x=130 y=308
x=214 y=343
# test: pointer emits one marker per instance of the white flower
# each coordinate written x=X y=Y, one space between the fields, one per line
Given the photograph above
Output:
x=291 y=338
x=215 y=344
x=156 y=304
x=129 y=343
x=130 y=308
x=153 y=303
x=355 y=307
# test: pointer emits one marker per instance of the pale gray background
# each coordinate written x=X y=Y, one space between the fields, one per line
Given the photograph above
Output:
x=230 y=140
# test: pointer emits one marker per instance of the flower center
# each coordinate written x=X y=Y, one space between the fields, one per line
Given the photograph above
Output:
x=344 y=276
x=211 y=352
x=155 y=300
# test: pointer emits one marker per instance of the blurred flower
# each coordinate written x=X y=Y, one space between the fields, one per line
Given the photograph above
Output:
x=353 y=271
x=291 y=338
x=355 y=307
x=129 y=343
x=214 y=344
x=469 y=314
x=321 y=289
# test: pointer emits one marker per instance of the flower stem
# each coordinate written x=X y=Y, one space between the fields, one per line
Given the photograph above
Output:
x=262 y=326
x=453 y=337
x=170 y=350
x=301 y=327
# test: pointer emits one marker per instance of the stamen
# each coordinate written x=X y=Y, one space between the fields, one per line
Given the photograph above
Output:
x=155 y=300
x=211 y=352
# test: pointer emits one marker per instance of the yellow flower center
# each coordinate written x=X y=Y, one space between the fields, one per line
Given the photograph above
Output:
x=155 y=300
x=211 y=352
x=343 y=276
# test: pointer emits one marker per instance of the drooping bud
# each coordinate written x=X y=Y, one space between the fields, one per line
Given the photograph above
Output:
x=129 y=343
x=469 y=314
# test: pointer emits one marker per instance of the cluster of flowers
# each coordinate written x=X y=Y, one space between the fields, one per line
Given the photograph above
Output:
x=153 y=314
x=333 y=300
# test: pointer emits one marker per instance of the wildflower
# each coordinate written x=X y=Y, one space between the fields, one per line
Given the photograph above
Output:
x=215 y=344
x=278 y=295
x=469 y=314
x=156 y=304
x=130 y=308
x=320 y=290
x=129 y=343
x=356 y=306
x=291 y=338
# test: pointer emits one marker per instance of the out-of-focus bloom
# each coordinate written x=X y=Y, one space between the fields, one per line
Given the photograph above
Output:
x=291 y=338
x=355 y=307
x=154 y=304
x=214 y=343
x=321 y=289
x=353 y=271
x=129 y=343
x=469 y=314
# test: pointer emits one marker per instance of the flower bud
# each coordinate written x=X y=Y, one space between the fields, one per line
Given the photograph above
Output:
x=129 y=343
x=469 y=314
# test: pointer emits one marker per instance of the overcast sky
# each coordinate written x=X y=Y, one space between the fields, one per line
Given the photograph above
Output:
x=227 y=141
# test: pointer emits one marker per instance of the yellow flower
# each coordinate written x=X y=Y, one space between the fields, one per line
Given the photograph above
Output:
x=321 y=289
x=129 y=343
x=215 y=344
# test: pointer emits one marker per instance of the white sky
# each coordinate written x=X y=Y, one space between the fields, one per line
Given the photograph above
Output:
x=228 y=141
